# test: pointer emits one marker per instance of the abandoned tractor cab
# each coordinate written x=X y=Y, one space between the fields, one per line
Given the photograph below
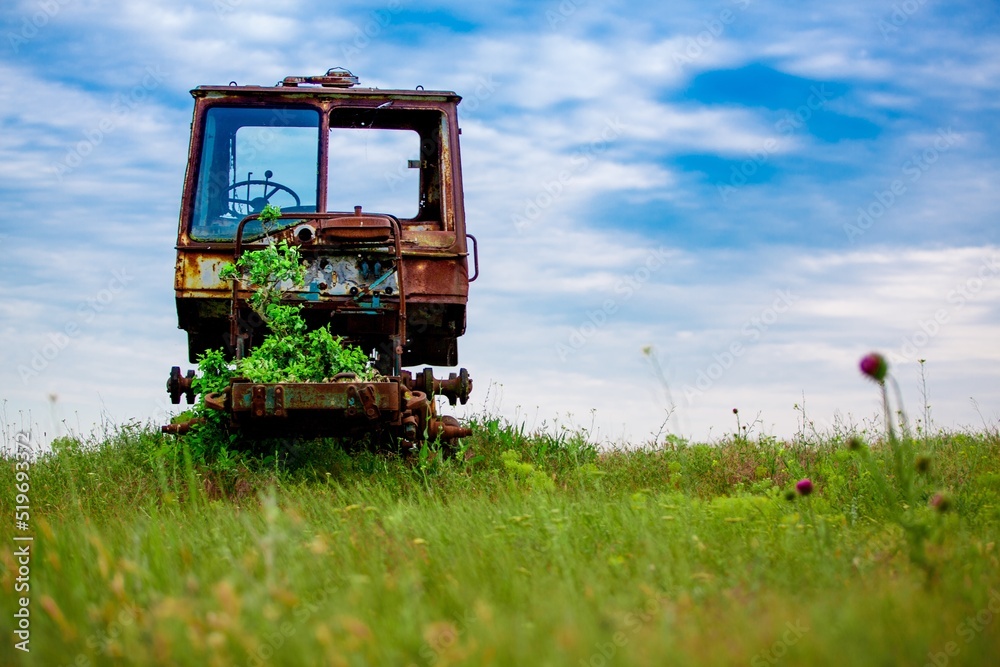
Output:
x=369 y=186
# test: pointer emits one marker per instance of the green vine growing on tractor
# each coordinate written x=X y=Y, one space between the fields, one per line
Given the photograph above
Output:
x=290 y=352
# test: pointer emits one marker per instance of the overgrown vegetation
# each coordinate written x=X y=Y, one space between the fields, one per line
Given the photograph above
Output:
x=290 y=352
x=539 y=549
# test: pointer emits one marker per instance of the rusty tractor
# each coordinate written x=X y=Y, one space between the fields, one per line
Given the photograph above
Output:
x=369 y=185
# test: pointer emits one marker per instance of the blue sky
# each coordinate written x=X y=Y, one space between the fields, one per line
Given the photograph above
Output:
x=699 y=205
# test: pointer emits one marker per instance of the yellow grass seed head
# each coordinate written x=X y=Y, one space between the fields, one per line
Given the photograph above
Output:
x=318 y=546
x=103 y=561
x=55 y=613
x=117 y=586
x=229 y=600
x=441 y=636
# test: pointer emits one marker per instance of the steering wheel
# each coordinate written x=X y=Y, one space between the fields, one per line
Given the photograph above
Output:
x=241 y=204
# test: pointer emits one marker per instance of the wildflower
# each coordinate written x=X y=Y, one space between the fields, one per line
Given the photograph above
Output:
x=804 y=487
x=736 y=411
x=875 y=366
x=923 y=463
x=941 y=502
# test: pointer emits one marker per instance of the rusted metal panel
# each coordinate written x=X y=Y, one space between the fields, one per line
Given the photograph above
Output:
x=199 y=271
x=276 y=399
x=430 y=264
x=197 y=276
x=449 y=203
x=427 y=277
x=417 y=240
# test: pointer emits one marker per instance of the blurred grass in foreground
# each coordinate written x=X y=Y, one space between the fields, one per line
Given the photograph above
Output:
x=527 y=549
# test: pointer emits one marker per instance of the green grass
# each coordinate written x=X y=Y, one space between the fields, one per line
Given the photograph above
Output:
x=529 y=549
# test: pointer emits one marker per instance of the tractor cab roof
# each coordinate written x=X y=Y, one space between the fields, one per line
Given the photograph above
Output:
x=337 y=82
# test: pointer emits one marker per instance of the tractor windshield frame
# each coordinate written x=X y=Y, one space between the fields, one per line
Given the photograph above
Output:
x=388 y=152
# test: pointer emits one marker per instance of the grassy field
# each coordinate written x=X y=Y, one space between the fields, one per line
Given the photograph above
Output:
x=527 y=549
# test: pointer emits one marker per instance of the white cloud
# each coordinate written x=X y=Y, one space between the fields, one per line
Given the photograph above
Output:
x=843 y=305
x=539 y=101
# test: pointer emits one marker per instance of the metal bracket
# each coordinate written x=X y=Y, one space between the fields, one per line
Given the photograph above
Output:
x=365 y=398
x=475 y=256
x=267 y=404
x=179 y=385
x=456 y=388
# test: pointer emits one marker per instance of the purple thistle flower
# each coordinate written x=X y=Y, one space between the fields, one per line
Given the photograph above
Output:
x=941 y=502
x=804 y=487
x=875 y=366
